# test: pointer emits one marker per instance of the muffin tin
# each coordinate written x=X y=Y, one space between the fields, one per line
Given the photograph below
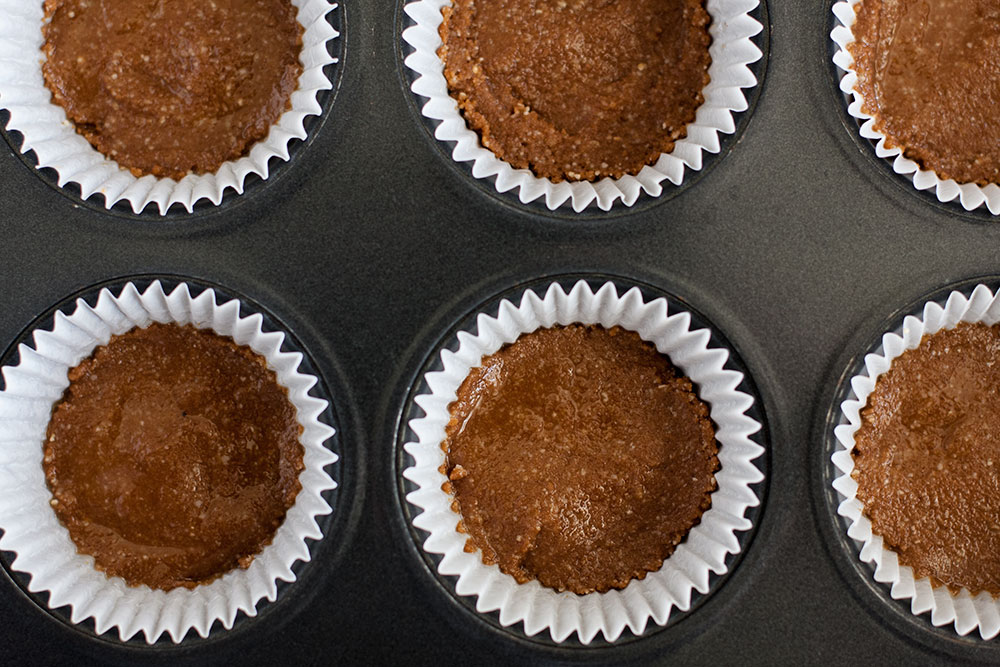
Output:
x=798 y=243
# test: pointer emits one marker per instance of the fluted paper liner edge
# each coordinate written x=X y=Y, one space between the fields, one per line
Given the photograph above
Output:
x=707 y=545
x=965 y=611
x=42 y=545
x=969 y=195
x=732 y=30
x=51 y=136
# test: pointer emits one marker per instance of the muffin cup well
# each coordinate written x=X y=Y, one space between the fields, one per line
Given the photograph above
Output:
x=704 y=550
x=42 y=546
x=969 y=195
x=965 y=611
x=52 y=137
x=732 y=51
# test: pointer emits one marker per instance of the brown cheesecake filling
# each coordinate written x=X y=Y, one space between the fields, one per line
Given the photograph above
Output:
x=930 y=76
x=577 y=90
x=173 y=456
x=171 y=87
x=927 y=458
x=580 y=457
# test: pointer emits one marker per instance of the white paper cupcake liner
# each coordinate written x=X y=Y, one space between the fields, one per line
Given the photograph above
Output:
x=55 y=142
x=970 y=195
x=707 y=545
x=42 y=545
x=965 y=611
x=732 y=51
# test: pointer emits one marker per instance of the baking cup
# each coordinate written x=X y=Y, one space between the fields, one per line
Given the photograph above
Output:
x=42 y=546
x=707 y=545
x=732 y=51
x=56 y=144
x=965 y=611
x=970 y=195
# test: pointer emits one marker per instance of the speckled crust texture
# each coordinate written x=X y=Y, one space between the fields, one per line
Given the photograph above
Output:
x=927 y=458
x=171 y=88
x=929 y=74
x=173 y=456
x=577 y=90
x=579 y=457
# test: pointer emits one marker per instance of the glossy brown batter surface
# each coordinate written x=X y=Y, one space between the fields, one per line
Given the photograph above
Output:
x=927 y=458
x=579 y=458
x=168 y=87
x=929 y=71
x=173 y=456
x=575 y=89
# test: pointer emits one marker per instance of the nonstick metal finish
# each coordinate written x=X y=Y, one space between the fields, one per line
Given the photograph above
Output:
x=796 y=243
